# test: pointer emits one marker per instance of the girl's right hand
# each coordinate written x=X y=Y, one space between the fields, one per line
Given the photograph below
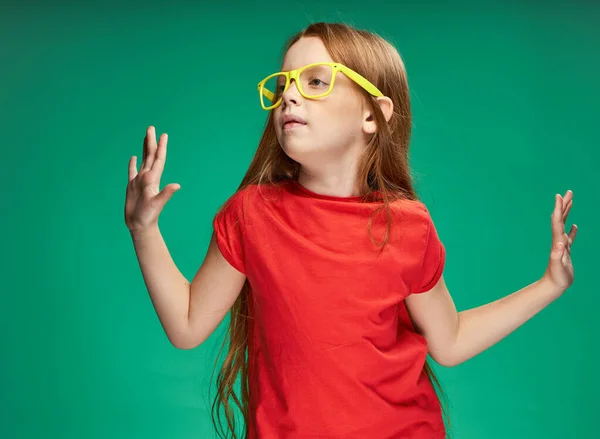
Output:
x=144 y=201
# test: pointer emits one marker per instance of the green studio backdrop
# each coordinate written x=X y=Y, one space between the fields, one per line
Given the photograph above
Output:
x=505 y=100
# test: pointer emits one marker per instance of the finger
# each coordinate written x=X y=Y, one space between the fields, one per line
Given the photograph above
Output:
x=573 y=233
x=144 y=151
x=149 y=133
x=566 y=211
x=558 y=227
x=161 y=154
x=132 y=167
x=166 y=194
x=567 y=203
x=150 y=148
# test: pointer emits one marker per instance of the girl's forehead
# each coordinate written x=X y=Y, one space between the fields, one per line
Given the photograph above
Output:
x=305 y=51
x=286 y=67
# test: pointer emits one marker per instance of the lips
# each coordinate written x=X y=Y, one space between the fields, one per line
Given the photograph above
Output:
x=292 y=124
x=290 y=119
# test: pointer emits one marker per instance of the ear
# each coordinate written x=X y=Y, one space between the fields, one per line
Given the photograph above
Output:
x=387 y=107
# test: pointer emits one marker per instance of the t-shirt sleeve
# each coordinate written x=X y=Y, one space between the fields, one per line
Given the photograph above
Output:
x=432 y=263
x=229 y=233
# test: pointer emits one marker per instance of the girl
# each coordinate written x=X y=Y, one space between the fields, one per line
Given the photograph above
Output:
x=329 y=263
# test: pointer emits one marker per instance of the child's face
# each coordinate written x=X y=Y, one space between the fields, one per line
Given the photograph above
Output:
x=334 y=124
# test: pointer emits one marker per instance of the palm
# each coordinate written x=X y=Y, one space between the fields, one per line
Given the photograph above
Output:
x=144 y=200
x=141 y=205
x=560 y=268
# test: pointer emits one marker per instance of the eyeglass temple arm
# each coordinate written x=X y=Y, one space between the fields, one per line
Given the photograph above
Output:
x=268 y=94
x=363 y=82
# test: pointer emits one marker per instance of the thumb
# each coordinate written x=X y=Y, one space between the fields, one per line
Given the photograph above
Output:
x=558 y=251
x=167 y=192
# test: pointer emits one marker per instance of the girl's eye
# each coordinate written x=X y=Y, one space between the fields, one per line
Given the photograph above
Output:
x=314 y=82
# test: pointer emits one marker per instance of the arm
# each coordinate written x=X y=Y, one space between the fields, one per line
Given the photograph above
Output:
x=455 y=337
x=188 y=313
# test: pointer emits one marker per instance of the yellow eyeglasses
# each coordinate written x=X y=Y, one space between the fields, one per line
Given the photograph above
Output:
x=313 y=81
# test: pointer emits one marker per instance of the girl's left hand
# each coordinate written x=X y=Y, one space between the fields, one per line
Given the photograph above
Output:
x=560 y=267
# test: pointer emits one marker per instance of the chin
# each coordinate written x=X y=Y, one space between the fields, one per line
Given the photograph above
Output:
x=297 y=151
x=301 y=152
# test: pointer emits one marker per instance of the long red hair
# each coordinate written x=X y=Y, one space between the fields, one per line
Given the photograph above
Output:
x=383 y=173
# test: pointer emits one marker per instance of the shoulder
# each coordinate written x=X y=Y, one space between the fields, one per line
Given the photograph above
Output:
x=412 y=225
x=411 y=212
x=248 y=197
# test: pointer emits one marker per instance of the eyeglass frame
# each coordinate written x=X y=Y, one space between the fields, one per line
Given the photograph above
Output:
x=295 y=75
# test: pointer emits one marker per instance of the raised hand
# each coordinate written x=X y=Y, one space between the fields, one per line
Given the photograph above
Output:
x=560 y=267
x=144 y=201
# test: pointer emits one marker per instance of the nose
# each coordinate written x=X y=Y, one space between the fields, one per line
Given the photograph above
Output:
x=291 y=95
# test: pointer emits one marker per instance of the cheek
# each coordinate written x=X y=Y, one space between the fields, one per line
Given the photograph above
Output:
x=343 y=118
x=277 y=126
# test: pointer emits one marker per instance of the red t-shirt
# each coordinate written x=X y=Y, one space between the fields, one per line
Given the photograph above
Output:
x=332 y=350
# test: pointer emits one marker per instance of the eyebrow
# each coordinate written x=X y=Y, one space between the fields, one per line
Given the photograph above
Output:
x=283 y=69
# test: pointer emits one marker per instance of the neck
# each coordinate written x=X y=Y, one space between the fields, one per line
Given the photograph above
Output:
x=337 y=179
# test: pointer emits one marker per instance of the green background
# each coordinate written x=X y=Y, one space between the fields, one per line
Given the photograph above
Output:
x=505 y=99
